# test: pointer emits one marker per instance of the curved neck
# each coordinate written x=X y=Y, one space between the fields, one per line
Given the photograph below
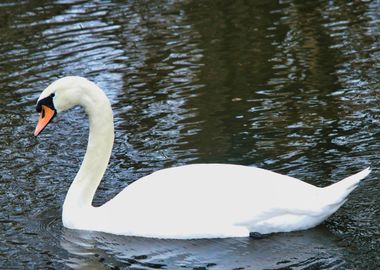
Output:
x=99 y=148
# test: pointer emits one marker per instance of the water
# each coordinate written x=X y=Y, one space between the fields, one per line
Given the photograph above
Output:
x=290 y=86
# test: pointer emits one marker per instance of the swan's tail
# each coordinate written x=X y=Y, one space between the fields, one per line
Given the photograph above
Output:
x=338 y=192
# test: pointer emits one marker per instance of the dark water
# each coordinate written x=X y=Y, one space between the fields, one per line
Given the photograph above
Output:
x=290 y=86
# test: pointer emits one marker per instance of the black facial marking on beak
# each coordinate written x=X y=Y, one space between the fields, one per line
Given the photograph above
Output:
x=48 y=101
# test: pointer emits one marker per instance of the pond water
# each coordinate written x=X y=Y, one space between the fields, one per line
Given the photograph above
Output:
x=289 y=86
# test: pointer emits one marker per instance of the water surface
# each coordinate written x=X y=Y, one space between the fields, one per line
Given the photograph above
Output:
x=290 y=86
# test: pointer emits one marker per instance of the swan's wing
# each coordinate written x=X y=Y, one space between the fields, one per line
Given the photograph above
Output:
x=217 y=190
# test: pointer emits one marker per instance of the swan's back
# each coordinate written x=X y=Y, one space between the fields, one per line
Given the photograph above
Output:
x=210 y=184
x=211 y=196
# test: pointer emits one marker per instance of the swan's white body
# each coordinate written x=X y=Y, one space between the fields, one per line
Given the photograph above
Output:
x=193 y=201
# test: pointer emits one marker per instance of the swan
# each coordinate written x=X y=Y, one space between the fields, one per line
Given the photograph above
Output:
x=186 y=202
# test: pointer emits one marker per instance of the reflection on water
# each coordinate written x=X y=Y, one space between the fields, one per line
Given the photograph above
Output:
x=290 y=86
x=314 y=249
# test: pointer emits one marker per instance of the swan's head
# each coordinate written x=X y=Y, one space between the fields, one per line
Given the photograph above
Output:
x=59 y=96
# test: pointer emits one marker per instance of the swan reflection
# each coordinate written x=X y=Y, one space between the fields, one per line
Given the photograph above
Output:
x=94 y=250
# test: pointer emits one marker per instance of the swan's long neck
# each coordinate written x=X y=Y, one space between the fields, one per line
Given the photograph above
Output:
x=101 y=136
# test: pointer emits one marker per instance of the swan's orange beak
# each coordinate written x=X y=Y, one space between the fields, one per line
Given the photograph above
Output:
x=46 y=115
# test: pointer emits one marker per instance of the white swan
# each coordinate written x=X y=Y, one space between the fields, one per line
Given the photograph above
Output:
x=187 y=202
